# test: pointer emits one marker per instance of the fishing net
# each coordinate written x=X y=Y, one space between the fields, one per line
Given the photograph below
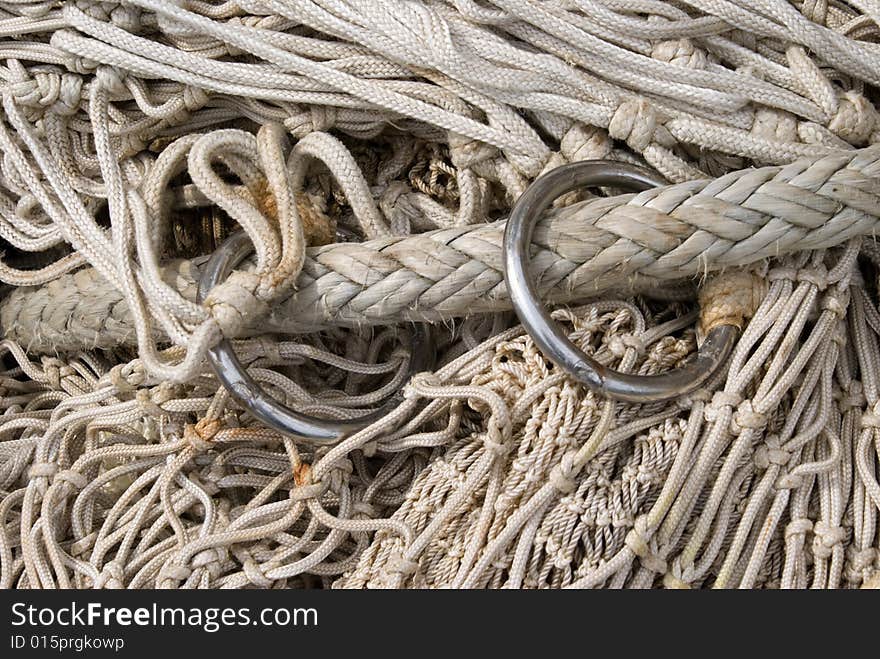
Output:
x=371 y=151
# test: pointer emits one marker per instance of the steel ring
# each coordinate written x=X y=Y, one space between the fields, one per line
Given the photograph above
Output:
x=252 y=397
x=548 y=336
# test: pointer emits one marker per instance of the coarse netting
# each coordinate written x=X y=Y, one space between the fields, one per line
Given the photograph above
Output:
x=370 y=150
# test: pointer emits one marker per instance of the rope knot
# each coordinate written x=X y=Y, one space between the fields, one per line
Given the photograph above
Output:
x=782 y=272
x=148 y=402
x=638 y=541
x=74 y=478
x=111 y=577
x=837 y=302
x=364 y=509
x=817 y=276
x=112 y=79
x=55 y=370
x=170 y=574
x=788 y=481
x=126 y=17
x=194 y=98
x=855 y=118
x=860 y=563
x=42 y=470
x=173 y=28
x=339 y=474
x=680 y=52
x=402 y=565
x=200 y=434
x=826 y=537
x=769 y=453
x=775 y=125
x=96 y=9
x=302 y=474
x=40 y=90
x=211 y=560
x=870 y=420
x=465 y=152
x=127 y=377
x=636 y=122
x=255 y=574
x=720 y=401
x=746 y=417
x=854 y=397
x=798 y=528
x=563 y=474
x=679 y=578
x=618 y=344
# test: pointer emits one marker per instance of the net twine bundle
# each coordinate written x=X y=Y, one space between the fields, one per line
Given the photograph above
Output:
x=379 y=122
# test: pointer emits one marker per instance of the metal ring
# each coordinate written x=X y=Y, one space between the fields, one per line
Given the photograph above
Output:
x=547 y=335
x=253 y=398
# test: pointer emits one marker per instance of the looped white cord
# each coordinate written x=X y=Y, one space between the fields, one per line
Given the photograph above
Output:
x=278 y=261
x=330 y=151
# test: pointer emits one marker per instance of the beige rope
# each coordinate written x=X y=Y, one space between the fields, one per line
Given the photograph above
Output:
x=627 y=242
x=413 y=126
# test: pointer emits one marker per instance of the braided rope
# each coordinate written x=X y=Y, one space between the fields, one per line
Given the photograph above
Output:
x=630 y=241
x=408 y=124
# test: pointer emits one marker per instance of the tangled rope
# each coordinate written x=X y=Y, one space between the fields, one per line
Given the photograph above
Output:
x=371 y=150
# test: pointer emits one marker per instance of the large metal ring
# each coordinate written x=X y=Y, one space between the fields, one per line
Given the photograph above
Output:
x=253 y=398
x=547 y=335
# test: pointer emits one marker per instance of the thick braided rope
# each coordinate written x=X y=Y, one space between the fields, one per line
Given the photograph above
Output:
x=580 y=251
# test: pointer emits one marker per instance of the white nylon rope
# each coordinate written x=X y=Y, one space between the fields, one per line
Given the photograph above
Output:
x=304 y=121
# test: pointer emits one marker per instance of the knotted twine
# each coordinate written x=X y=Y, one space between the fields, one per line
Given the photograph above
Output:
x=95 y=95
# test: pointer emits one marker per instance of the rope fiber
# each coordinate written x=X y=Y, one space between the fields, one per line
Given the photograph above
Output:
x=371 y=150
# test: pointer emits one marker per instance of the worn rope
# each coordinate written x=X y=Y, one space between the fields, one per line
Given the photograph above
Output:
x=631 y=242
x=371 y=150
